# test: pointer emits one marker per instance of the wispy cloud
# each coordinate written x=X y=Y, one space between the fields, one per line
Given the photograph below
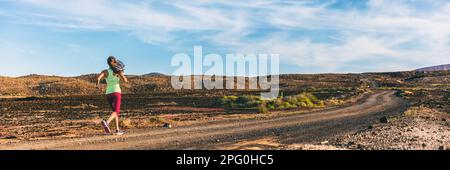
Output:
x=395 y=34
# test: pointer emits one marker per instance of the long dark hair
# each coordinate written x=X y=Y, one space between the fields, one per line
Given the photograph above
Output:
x=110 y=61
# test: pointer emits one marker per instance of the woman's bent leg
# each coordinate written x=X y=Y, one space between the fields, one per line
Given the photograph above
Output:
x=113 y=115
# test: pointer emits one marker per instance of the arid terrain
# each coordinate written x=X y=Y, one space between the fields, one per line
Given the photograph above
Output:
x=401 y=110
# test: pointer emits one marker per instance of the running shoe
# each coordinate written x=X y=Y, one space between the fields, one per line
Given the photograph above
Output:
x=119 y=132
x=106 y=127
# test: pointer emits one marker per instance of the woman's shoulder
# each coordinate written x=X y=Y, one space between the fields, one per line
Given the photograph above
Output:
x=105 y=71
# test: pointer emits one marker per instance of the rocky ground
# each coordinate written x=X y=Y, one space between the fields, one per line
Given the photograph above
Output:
x=420 y=128
x=238 y=133
x=414 y=129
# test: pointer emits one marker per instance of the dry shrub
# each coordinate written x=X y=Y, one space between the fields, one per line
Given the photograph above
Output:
x=126 y=123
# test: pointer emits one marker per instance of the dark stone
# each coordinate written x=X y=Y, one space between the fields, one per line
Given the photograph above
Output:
x=360 y=147
x=384 y=119
x=27 y=99
x=11 y=137
x=167 y=125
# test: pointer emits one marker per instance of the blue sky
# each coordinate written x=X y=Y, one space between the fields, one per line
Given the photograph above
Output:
x=73 y=37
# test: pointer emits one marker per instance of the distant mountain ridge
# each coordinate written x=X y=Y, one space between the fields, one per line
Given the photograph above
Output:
x=435 y=68
x=47 y=85
x=153 y=74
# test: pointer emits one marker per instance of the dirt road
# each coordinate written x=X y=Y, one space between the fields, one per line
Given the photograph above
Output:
x=299 y=128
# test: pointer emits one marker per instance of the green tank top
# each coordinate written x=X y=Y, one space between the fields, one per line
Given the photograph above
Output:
x=112 y=83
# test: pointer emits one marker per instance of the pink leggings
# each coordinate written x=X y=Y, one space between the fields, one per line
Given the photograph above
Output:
x=114 y=100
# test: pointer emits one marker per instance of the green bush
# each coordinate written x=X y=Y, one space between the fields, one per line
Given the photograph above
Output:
x=263 y=108
x=229 y=101
x=302 y=100
x=248 y=101
x=241 y=101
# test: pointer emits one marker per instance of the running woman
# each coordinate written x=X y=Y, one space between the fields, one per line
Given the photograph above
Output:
x=113 y=75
